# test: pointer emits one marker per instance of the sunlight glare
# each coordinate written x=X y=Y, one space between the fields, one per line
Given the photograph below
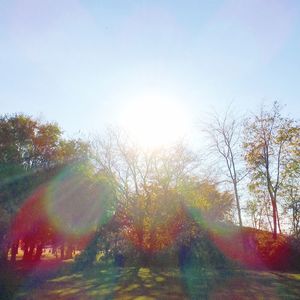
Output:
x=153 y=122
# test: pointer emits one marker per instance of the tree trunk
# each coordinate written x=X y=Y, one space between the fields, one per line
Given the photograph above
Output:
x=54 y=251
x=279 y=227
x=31 y=251
x=238 y=203
x=26 y=250
x=270 y=223
x=274 y=209
x=145 y=258
x=62 y=251
x=69 y=251
x=14 y=251
x=39 y=251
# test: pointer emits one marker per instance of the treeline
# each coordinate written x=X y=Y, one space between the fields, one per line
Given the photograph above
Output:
x=31 y=154
x=262 y=152
x=57 y=192
x=109 y=196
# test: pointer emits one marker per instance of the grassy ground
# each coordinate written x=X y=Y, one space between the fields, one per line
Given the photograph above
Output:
x=109 y=282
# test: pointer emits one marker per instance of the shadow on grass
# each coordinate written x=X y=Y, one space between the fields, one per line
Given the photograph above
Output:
x=240 y=284
x=109 y=282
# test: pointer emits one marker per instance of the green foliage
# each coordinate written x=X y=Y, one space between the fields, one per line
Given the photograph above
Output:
x=205 y=196
x=88 y=256
x=31 y=153
x=268 y=145
x=207 y=255
x=291 y=182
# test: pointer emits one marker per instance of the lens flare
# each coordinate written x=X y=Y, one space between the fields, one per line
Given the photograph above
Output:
x=69 y=207
x=74 y=203
x=247 y=247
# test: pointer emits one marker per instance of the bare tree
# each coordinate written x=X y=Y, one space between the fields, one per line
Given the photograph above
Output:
x=134 y=169
x=224 y=133
x=259 y=210
x=147 y=182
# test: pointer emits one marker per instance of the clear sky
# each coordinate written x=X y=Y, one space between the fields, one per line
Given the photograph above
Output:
x=81 y=63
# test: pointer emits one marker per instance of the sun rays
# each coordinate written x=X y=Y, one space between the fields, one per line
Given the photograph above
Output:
x=154 y=121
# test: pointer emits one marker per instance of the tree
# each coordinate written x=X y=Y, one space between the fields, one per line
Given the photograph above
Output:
x=28 y=142
x=266 y=144
x=206 y=197
x=148 y=187
x=133 y=170
x=291 y=181
x=26 y=146
x=31 y=153
x=258 y=209
x=224 y=134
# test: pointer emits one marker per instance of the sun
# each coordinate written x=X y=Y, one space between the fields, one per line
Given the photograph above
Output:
x=154 y=121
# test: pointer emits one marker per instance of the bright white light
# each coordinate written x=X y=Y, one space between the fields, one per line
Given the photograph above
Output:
x=154 y=121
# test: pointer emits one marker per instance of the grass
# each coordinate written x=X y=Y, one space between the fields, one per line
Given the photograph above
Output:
x=105 y=281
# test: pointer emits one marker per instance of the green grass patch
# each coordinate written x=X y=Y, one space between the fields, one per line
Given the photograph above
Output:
x=108 y=282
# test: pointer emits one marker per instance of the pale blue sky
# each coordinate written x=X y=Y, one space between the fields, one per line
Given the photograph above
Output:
x=80 y=62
